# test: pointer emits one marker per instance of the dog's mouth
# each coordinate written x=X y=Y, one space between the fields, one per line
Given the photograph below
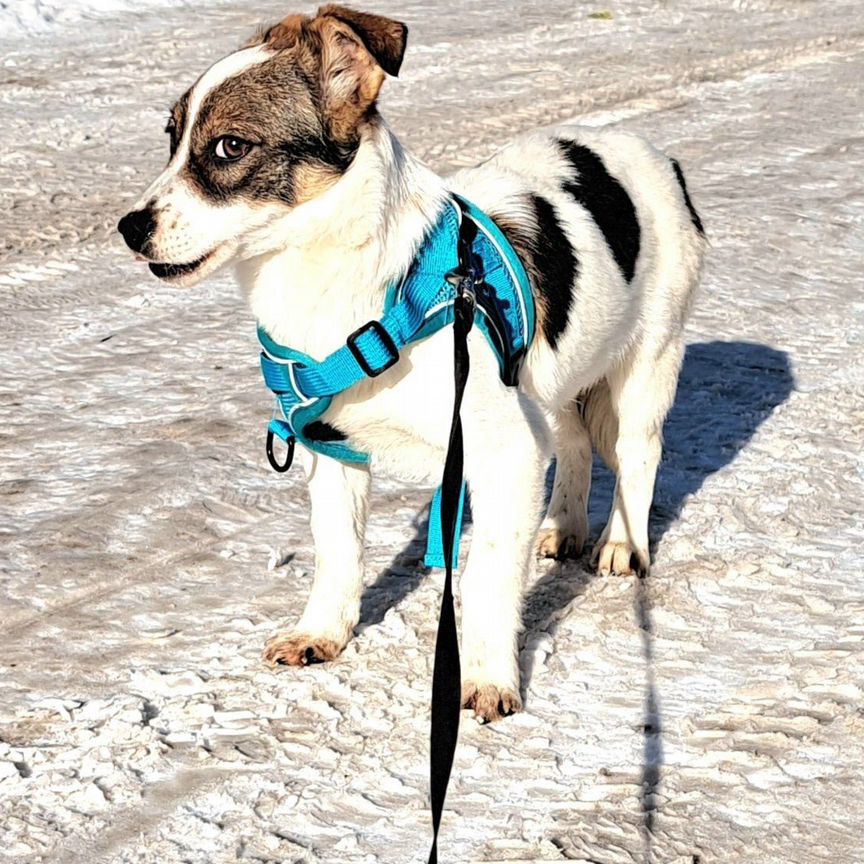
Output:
x=174 y=271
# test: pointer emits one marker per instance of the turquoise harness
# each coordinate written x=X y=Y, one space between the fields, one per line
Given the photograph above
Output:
x=422 y=304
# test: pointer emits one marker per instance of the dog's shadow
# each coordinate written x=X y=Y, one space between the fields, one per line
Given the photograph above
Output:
x=725 y=391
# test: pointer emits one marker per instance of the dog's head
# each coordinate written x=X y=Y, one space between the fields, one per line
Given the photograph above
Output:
x=263 y=131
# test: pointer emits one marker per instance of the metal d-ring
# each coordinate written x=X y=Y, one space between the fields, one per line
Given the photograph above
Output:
x=289 y=458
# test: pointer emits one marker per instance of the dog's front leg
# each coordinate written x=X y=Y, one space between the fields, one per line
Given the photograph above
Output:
x=339 y=495
x=506 y=447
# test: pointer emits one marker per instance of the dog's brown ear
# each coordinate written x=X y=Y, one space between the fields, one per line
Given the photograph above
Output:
x=383 y=38
x=351 y=74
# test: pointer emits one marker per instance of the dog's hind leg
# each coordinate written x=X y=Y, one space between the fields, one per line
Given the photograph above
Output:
x=506 y=449
x=339 y=496
x=565 y=528
x=625 y=417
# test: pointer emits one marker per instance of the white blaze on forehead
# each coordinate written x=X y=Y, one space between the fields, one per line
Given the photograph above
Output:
x=217 y=74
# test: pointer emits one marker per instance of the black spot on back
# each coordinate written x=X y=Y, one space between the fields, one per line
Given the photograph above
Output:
x=555 y=265
x=608 y=203
x=550 y=262
x=694 y=216
x=318 y=430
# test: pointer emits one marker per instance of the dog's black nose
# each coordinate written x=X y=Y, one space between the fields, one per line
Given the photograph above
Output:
x=137 y=228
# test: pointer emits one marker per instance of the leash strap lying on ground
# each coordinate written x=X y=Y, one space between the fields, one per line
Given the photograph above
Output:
x=447 y=675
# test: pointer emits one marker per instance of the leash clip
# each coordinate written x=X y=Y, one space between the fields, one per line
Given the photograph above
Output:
x=466 y=278
x=468 y=274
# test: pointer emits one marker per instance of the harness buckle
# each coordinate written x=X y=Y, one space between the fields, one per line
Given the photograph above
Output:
x=377 y=328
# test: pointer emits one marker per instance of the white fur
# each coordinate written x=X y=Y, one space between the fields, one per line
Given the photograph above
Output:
x=315 y=273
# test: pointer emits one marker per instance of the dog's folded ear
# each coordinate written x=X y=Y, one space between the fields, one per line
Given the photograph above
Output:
x=349 y=51
x=383 y=38
x=355 y=50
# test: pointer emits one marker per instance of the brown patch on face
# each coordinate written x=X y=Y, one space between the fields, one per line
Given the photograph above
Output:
x=272 y=106
x=302 y=111
x=311 y=180
x=345 y=54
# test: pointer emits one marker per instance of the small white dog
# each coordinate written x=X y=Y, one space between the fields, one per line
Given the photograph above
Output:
x=281 y=164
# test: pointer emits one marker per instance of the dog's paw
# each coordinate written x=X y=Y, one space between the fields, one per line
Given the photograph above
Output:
x=300 y=649
x=553 y=543
x=489 y=702
x=620 y=559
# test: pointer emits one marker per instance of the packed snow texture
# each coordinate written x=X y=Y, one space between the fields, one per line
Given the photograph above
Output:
x=39 y=17
x=710 y=713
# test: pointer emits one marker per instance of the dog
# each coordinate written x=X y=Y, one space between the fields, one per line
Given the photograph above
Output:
x=281 y=165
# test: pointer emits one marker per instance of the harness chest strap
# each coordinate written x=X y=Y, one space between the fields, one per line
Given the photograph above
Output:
x=415 y=309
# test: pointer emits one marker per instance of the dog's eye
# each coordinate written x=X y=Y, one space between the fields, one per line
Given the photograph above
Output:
x=230 y=149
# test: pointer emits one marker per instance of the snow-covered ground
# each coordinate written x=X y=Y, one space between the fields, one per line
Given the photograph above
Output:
x=712 y=713
x=41 y=17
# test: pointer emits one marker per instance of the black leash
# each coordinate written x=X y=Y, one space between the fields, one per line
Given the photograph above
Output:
x=447 y=675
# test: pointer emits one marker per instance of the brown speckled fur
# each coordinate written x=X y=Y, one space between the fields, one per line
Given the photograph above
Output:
x=303 y=109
